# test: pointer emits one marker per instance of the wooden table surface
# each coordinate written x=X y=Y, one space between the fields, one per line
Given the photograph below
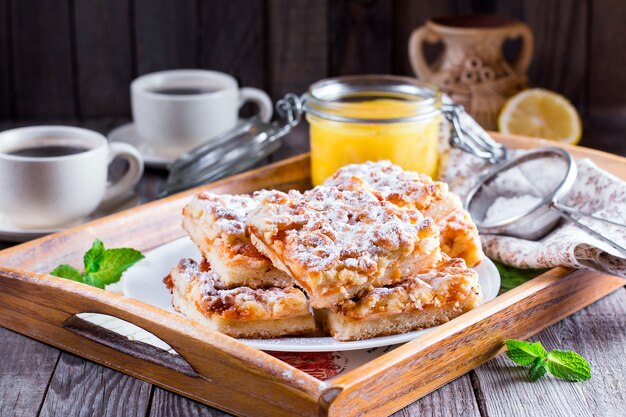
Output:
x=39 y=380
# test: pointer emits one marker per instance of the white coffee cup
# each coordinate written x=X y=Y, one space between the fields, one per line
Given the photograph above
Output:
x=179 y=109
x=52 y=191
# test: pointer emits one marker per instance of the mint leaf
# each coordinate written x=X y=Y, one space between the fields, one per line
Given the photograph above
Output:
x=115 y=262
x=563 y=364
x=538 y=369
x=93 y=280
x=94 y=257
x=69 y=272
x=102 y=266
x=524 y=353
x=568 y=365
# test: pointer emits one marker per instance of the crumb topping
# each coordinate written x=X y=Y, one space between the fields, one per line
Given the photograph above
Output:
x=204 y=287
x=392 y=182
x=326 y=227
x=230 y=211
x=459 y=234
x=448 y=283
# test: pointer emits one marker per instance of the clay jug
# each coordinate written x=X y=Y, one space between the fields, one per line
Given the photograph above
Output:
x=472 y=68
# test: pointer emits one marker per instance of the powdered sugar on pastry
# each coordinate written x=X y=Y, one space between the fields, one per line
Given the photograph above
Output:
x=396 y=185
x=229 y=213
x=426 y=299
x=218 y=225
x=336 y=243
x=451 y=281
x=459 y=235
x=240 y=312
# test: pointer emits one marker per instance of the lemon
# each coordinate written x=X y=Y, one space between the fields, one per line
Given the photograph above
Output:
x=541 y=113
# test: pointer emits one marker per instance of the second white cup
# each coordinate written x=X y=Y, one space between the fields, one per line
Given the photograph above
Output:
x=179 y=109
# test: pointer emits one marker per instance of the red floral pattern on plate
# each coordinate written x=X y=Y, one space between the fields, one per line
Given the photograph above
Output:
x=321 y=365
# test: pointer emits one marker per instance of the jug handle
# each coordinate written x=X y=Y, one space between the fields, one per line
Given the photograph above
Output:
x=416 y=51
x=521 y=30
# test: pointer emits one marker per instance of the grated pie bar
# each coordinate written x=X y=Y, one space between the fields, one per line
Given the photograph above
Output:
x=459 y=235
x=336 y=244
x=242 y=312
x=425 y=300
x=217 y=224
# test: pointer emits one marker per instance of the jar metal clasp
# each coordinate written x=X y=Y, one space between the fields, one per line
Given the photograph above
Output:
x=468 y=136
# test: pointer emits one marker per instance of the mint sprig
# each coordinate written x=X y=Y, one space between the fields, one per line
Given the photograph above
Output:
x=102 y=266
x=568 y=365
x=563 y=364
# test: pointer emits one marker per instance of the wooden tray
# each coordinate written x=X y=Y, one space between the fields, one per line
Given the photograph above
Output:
x=220 y=371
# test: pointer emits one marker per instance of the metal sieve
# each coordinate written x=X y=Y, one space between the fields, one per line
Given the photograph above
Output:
x=528 y=189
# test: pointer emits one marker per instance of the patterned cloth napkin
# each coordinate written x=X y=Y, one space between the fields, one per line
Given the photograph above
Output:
x=596 y=191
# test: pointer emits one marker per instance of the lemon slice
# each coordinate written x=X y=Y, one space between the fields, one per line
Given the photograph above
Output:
x=543 y=114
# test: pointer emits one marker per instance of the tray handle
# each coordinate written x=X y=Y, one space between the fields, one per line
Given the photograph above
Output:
x=136 y=348
x=43 y=307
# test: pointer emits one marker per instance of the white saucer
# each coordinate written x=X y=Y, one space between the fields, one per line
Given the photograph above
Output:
x=153 y=156
x=13 y=233
x=144 y=282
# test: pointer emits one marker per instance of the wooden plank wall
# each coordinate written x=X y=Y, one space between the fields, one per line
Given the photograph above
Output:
x=76 y=58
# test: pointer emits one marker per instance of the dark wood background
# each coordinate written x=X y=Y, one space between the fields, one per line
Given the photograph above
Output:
x=74 y=59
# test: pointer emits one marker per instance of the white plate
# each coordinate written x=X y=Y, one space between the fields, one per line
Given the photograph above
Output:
x=13 y=233
x=144 y=282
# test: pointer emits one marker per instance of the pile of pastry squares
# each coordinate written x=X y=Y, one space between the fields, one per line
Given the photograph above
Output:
x=374 y=251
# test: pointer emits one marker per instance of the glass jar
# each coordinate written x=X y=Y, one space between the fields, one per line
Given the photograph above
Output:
x=362 y=118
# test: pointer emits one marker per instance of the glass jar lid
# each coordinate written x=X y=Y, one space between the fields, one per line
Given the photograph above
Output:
x=350 y=98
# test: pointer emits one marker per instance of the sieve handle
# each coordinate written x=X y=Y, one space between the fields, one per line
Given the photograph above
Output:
x=567 y=212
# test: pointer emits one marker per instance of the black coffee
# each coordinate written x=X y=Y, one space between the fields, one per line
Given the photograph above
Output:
x=48 y=151
x=183 y=91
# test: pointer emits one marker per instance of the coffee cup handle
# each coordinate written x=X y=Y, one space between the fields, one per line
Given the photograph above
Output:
x=131 y=177
x=260 y=98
